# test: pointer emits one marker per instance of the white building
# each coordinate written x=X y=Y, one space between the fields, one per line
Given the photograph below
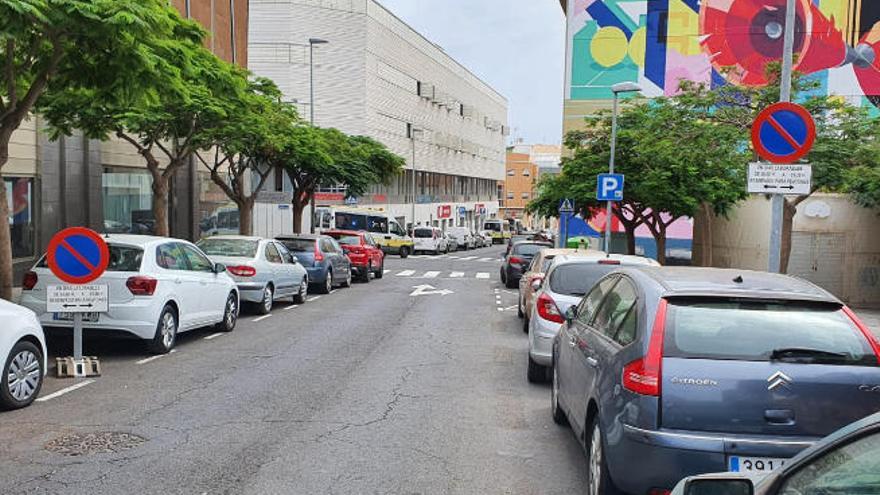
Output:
x=378 y=77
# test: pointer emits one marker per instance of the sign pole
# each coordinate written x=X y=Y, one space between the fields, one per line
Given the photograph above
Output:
x=777 y=205
x=611 y=171
x=78 y=341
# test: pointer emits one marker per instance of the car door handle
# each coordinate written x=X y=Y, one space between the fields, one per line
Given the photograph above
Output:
x=593 y=362
x=572 y=341
x=178 y=281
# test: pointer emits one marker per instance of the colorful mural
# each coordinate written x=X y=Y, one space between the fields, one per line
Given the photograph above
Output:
x=660 y=42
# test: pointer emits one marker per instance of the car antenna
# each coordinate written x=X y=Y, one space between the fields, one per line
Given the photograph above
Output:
x=738 y=279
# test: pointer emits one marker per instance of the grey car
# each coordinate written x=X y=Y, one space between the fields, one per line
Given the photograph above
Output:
x=704 y=370
x=264 y=270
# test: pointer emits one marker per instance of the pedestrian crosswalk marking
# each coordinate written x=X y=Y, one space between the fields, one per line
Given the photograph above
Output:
x=406 y=273
x=386 y=271
x=482 y=275
x=431 y=274
x=456 y=275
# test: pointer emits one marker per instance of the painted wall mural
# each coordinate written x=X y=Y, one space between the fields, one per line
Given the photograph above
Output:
x=660 y=42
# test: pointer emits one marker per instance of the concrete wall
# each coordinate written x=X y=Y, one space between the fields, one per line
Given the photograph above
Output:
x=835 y=244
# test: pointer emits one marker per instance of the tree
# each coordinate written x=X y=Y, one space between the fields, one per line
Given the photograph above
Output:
x=252 y=138
x=54 y=45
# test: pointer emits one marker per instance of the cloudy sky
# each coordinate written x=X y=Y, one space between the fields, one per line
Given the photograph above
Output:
x=517 y=46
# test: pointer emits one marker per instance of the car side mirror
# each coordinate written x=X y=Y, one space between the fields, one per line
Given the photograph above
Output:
x=294 y=259
x=219 y=268
x=718 y=486
x=571 y=313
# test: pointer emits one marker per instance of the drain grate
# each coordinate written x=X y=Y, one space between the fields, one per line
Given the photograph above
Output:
x=106 y=442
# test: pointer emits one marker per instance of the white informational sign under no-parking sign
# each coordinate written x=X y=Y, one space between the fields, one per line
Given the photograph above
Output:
x=77 y=299
x=765 y=178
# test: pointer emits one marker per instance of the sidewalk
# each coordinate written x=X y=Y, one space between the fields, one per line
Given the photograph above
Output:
x=871 y=317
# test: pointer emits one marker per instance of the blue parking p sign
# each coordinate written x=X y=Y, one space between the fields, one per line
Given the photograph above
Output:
x=609 y=187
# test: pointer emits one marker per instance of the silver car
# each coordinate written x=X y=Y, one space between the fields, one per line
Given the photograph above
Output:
x=568 y=279
x=264 y=269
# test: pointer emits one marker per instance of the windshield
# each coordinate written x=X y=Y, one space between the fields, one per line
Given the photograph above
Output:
x=528 y=249
x=749 y=330
x=576 y=279
x=236 y=248
x=299 y=245
x=492 y=226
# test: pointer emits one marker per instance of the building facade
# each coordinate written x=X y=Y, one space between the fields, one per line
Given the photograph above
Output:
x=519 y=186
x=105 y=185
x=378 y=77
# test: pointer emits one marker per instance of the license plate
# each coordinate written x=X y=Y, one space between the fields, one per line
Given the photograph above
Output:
x=87 y=317
x=739 y=464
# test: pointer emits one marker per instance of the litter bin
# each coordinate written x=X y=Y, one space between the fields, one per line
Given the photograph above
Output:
x=579 y=242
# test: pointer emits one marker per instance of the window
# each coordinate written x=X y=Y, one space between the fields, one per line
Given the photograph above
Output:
x=590 y=304
x=851 y=468
x=576 y=279
x=327 y=246
x=299 y=245
x=511 y=172
x=171 y=257
x=526 y=172
x=378 y=224
x=198 y=262
x=272 y=254
x=510 y=195
x=128 y=202
x=615 y=308
x=285 y=254
x=524 y=195
x=125 y=259
x=396 y=229
x=236 y=248
x=20 y=201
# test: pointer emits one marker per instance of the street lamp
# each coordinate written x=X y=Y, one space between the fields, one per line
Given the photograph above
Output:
x=312 y=43
x=624 y=87
x=413 y=132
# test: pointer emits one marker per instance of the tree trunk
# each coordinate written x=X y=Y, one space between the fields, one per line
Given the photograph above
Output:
x=660 y=239
x=5 y=233
x=298 y=207
x=160 y=206
x=246 y=217
x=708 y=240
x=788 y=212
x=630 y=239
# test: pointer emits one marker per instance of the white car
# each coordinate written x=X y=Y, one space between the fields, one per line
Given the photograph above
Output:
x=430 y=239
x=23 y=351
x=463 y=236
x=486 y=238
x=158 y=287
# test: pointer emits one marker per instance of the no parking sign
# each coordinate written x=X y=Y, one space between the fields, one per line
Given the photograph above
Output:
x=783 y=133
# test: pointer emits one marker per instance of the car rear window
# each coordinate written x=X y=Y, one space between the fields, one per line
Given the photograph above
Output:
x=237 y=248
x=576 y=279
x=348 y=240
x=424 y=233
x=493 y=226
x=299 y=245
x=528 y=249
x=755 y=330
x=122 y=259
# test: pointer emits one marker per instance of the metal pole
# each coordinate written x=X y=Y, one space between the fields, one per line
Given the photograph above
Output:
x=77 y=342
x=611 y=171
x=312 y=121
x=413 y=137
x=777 y=204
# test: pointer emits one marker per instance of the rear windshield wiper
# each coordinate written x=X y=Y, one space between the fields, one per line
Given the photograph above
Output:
x=811 y=354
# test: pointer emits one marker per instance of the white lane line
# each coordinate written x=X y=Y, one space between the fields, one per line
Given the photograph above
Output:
x=468 y=258
x=500 y=309
x=486 y=259
x=453 y=257
x=313 y=298
x=213 y=336
x=482 y=275
x=456 y=275
x=386 y=272
x=150 y=359
x=333 y=291
x=261 y=318
x=508 y=291
x=64 y=391
x=406 y=273
x=292 y=306
x=431 y=274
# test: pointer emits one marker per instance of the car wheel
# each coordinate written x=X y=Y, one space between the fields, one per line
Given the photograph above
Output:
x=536 y=372
x=598 y=480
x=347 y=282
x=519 y=308
x=381 y=271
x=265 y=306
x=166 y=332
x=328 y=283
x=22 y=376
x=365 y=278
x=558 y=414
x=300 y=296
x=230 y=314
x=509 y=283
x=404 y=252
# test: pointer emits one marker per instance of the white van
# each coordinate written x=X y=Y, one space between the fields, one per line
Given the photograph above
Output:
x=430 y=239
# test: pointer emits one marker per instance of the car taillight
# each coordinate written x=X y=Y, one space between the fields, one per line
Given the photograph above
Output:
x=548 y=310
x=875 y=345
x=319 y=257
x=608 y=261
x=643 y=376
x=29 y=281
x=242 y=271
x=142 y=286
x=515 y=260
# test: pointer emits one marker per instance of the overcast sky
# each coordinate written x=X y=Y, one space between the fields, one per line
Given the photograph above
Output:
x=517 y=46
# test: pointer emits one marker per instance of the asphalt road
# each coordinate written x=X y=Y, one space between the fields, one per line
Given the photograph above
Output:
x=366 y=390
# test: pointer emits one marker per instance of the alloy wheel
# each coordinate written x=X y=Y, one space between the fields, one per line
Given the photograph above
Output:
x=595 y=461
x=231 y=311
x=169 y=329
x=554 y=392
x=329 y=282
x=268 y=298
x=23 y=376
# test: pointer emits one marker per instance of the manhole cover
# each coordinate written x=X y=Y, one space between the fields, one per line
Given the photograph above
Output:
x=77 y=444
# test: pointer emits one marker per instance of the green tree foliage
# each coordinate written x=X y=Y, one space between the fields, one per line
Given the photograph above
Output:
x=56 y=45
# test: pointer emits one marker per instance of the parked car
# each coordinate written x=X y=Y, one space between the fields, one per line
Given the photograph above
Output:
x=430 y=239
x=451 y=243
x=365 y=255
x=487 y=238
x=569 y=277
x=463 y=236
x=23 y=351
x=517 y=238
x=535 y=272
x=517 y=259
x=322 y=257
x=264 y=270
x=707 y=370
x=158 y=287
x=847 y=461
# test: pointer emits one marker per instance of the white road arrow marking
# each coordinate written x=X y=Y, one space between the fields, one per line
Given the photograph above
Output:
x=429 y=290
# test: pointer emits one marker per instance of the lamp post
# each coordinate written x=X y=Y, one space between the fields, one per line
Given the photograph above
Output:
x=413 y=132
x=312 y=43
x=617 y=89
